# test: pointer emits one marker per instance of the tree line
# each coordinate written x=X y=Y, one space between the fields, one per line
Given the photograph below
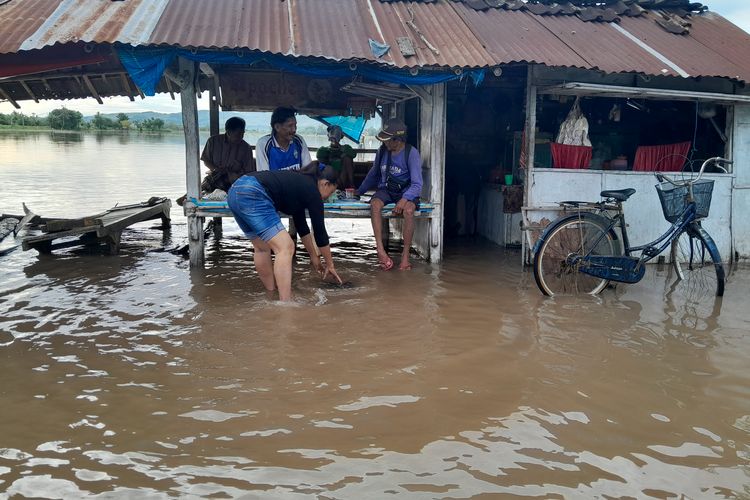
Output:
x=68 y=119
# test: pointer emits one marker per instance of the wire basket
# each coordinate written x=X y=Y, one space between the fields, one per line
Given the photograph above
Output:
x=674 y=199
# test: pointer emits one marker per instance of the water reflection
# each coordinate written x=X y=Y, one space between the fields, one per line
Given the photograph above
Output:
x=132 y=376
x=66 y=137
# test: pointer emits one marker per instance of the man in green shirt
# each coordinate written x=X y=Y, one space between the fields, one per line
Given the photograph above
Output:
x=339 y=156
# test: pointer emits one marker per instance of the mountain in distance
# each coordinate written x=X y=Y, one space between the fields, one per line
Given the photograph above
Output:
x=253 y=121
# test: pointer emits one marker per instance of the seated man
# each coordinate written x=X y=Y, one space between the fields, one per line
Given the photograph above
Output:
x=339 y=156
x=397 y=175
x=282 y=149
x=227 y=157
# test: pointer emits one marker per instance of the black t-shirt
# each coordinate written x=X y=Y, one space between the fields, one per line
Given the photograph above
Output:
x=292 y=193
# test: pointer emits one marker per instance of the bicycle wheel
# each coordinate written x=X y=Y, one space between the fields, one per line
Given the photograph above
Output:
x=581 y=235
x=697 y=263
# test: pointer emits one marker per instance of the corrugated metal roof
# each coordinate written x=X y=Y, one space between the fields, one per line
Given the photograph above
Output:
x=444 y=33
x=601 y=46
x=515 y=36
x=256 y=24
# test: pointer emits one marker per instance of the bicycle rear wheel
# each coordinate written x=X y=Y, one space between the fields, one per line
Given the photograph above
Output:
x=583 y=234
x=697 y=264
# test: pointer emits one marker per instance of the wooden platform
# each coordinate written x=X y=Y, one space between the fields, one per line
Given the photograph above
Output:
x=341 y=208
x=105 y=227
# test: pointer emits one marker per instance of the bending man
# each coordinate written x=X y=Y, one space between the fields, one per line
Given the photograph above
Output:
x=256 y=200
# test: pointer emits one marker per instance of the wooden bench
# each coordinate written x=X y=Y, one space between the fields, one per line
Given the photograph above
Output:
x=338 y=209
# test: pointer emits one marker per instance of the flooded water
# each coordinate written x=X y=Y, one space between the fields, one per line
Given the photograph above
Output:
x=131 y=376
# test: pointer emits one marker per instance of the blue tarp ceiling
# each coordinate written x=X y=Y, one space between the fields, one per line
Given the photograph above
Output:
x=146 y=65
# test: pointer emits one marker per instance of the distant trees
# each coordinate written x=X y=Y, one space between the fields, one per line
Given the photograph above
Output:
x=123 y=121
x=16 y=119
x=152 y=124
x=65 y=119
x=100 y=122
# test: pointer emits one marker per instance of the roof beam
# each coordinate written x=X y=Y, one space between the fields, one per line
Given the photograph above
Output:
x=91 y=88
x=169 y=87
x=9 y=98
x=28 y=91
x=600 y=90
x=126 y=84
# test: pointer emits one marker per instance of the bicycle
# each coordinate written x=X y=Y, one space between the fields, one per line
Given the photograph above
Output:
x=585 y=251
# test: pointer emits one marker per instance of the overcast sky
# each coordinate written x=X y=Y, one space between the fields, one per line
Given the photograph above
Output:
x=737 y=11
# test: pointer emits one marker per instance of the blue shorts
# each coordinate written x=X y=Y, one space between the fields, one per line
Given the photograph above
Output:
x=253 y=209
x=387 y=197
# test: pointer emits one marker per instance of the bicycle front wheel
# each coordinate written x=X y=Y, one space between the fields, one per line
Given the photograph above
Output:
x=576 y=235
x=697 y=264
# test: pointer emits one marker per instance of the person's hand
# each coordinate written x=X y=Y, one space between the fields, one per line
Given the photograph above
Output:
x=330 y=271
x=399 y=208
x=317 y=265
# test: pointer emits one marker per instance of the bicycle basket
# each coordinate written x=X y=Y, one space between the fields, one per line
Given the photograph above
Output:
x=674 y=199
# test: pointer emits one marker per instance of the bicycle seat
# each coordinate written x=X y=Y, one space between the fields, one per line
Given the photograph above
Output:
x=618 y=194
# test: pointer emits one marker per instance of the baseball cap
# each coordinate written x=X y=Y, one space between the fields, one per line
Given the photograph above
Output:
x=392 y=128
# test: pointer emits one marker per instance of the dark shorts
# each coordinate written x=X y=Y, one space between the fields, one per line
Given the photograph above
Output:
x=253 y=209
x=387 y=197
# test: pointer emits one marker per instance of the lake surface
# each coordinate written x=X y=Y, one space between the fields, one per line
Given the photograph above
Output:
x=132 y=376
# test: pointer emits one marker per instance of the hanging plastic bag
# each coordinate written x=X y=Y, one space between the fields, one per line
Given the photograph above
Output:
x=574 y=131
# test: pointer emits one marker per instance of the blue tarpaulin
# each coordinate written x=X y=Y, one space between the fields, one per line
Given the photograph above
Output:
x=145 y=65
x=351 y=126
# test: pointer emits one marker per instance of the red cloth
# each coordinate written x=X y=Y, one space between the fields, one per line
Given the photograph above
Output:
x=565 y=156
x=661 y=158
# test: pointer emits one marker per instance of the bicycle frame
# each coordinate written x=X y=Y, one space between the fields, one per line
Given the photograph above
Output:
x=647 y=251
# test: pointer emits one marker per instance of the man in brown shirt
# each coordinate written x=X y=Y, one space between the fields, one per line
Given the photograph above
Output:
x=227 y=156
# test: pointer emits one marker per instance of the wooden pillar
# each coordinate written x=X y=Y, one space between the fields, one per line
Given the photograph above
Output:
x=432 y=148
x=213 y=109
x=530 y=143
x=192 y=161
x=213 y=115
x=530 y=131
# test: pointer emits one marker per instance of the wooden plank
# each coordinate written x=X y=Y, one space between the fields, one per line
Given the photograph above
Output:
x=117 y=221
x=30 y=241
x=56 y=225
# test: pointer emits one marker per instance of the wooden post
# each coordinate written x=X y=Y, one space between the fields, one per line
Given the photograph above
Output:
x=213 y=110
x=192 y=162
x=213 y=101
x=530 y=132
x=530 y=129
x=432 y=144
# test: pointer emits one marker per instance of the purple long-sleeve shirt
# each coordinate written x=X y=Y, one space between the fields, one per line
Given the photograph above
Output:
x=400 y=168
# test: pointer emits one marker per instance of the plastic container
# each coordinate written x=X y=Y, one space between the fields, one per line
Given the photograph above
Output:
x=508 y=179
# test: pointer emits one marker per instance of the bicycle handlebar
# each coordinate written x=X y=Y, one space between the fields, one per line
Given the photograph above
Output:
x=716 y=160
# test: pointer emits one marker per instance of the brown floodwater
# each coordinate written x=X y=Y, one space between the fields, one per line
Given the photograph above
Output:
x=132 y=376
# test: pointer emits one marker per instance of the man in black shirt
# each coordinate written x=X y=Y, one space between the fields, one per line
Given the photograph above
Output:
x=256 y=200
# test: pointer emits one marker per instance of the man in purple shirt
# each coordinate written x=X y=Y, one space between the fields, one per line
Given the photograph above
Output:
x=396 y=175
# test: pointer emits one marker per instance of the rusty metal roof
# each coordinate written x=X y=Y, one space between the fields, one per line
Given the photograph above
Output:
x=443 y=33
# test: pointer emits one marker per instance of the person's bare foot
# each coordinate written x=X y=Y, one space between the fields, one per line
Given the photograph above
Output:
x=386 y=263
